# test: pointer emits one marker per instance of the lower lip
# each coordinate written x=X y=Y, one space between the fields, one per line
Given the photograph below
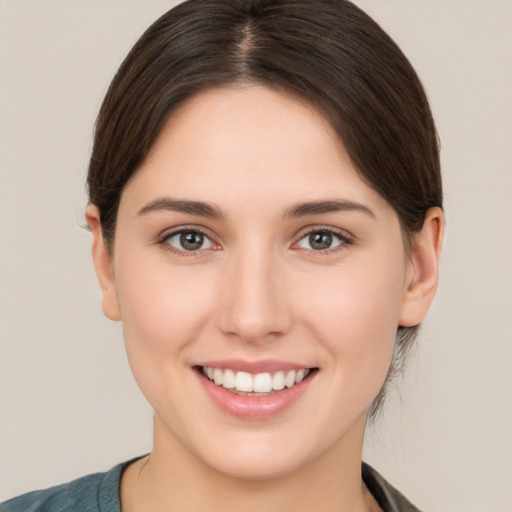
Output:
x=255 y=407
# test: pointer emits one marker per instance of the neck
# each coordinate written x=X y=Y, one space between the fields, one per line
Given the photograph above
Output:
x=173 y=478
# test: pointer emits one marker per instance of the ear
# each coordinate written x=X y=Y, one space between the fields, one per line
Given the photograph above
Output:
x=423 y=271
x=103 y=265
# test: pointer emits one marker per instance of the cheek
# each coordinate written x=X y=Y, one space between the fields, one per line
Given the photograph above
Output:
x=354 y=313
x=161 y=306
x=163 y=310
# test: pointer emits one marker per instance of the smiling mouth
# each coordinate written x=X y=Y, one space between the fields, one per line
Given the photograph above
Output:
x=259 y=384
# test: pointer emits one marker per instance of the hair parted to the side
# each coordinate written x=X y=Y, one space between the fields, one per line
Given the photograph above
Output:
x=329 y=53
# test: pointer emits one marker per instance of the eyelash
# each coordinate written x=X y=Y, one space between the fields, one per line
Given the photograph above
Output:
x=163 y=241
x=343 y=237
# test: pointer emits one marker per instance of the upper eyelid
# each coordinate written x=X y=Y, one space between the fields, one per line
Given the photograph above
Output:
x=346 y=239
x=162 y=241
x=166 y=233
x=298 y=235
x=343 y=233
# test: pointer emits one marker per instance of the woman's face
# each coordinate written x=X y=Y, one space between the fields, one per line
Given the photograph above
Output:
x=247 y=247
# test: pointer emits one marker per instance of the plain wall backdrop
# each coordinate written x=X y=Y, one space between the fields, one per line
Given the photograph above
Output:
x=68 y=403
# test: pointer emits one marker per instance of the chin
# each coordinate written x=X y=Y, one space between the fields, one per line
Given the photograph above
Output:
x=257 y=464
x=268 y=453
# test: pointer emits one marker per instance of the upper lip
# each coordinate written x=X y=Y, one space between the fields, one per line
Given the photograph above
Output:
x=254 y=367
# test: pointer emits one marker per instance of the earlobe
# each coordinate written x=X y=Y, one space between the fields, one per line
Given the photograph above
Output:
x=421 y=284
x=103 y=265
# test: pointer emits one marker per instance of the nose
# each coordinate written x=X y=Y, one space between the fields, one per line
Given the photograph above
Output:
x=254 y=305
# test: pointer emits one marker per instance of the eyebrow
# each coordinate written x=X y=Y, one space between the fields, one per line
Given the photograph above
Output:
x=183 y=206
x=204 y=209
x=329 y=206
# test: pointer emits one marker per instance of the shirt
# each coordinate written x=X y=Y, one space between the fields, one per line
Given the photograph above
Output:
x=99 y=492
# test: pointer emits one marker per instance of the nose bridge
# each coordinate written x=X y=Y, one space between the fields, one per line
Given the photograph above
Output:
x=254 y=306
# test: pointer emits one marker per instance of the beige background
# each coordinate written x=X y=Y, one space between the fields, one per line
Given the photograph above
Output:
x=68 y=405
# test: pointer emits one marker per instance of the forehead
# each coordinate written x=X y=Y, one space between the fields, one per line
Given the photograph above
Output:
x=241 y=117
x=240 y=142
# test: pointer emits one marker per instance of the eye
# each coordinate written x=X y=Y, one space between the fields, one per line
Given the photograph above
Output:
x=322 y=240
x=188 y=240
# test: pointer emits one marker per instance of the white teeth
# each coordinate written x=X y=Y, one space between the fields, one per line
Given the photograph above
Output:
x=290 y=379
x=228 y=380
x=243 y=382
x=262 y=383
x=278 y=381
x=300 y=376
x=217 y=376
x=259 y=383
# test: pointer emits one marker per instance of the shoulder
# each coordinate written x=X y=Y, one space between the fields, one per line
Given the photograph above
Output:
x=79 y=495
x=91 y=493
x=389 y=498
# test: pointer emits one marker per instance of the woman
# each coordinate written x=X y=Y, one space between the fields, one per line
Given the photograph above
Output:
x=265 y=204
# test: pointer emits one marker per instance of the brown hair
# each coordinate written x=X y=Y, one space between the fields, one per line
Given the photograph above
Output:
x=328 y=52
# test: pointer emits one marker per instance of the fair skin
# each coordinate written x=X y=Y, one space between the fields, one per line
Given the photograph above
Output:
x=291 y=261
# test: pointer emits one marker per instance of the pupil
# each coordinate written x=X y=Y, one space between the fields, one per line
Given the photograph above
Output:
x=320 y=241
x=191 y=241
